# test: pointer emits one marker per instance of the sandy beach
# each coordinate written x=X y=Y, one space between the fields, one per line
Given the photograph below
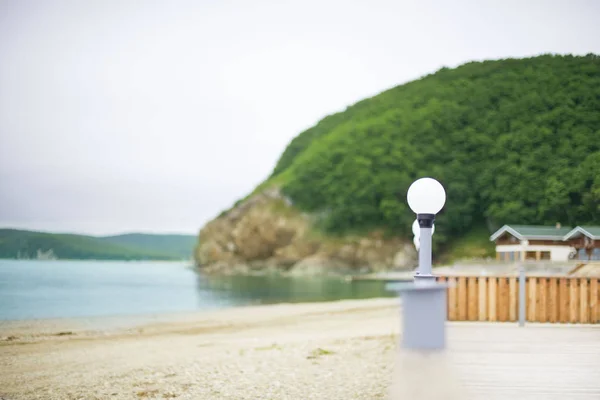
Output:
x=336 y=350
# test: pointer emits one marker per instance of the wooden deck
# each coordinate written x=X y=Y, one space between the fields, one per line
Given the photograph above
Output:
x=538 y=361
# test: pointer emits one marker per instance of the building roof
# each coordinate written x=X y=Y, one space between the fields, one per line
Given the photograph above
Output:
x=593 y=232
x=525 y=232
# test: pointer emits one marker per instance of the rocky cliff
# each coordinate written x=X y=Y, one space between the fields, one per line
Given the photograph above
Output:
x=266 y=233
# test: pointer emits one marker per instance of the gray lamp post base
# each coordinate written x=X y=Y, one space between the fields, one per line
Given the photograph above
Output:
x=422 y=369
x=424 y=315
x=424 y=278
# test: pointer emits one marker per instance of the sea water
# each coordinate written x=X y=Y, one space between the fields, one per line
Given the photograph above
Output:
x=31 y=289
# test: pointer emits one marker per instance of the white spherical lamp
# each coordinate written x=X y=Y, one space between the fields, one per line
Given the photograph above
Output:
x=416 y=242
x=426 y=196
x=416 y=229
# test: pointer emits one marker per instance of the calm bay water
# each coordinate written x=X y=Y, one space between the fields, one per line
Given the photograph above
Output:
x=57 y=289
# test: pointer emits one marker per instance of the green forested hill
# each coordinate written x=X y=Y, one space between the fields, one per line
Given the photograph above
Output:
x=26 y=244
x=513 y=141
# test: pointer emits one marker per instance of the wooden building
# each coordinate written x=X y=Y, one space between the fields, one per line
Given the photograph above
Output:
x=553 y=243
x=532 y=242
x=586 y=242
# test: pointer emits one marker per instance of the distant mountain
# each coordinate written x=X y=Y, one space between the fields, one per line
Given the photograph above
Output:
x=136 y=246
x=177 y=245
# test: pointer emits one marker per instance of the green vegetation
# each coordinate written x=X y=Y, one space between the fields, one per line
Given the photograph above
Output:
x=274 y=346
x=26 y=244
x=512 y=141
x=319 y=352
x=473 y=244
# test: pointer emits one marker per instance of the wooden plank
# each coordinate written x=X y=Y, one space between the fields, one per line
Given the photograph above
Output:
x=526 y=297
x=482 y=298
x=503 y=302
x=542 y=300
x=553 y=300
x=542 y=362
x=492 y=304
x=573 y=300
x=531 y=299
x=563 y=300
x=584 y=311
x=452 y=300
x=513 y=296
x=472 y=310
x=462 y=298
x=594 y=301
x=444 y=280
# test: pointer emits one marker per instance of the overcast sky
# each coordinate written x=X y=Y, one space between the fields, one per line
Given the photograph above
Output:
x=122 y=115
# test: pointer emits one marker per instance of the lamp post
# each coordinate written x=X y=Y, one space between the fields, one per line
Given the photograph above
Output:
x=422 y=356
x=426 y=197
x=416 y=229
x=424 y=302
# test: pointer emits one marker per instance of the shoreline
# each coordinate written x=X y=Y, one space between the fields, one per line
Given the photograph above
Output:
x=268 y=351
x=50 y=260
x=31 y=330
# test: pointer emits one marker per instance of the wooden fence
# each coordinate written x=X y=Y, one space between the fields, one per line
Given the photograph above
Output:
x=548 y=299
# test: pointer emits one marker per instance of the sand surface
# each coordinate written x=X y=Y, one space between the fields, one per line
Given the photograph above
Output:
x=337 y=350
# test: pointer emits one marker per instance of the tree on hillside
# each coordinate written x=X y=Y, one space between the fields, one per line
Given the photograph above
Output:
x=513 y=140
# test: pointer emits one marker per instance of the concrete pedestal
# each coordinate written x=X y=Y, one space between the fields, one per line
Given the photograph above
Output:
x=425 y=375
x=423 y=370
x=424 y=315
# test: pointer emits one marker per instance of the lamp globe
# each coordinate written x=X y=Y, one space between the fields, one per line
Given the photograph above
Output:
x=426 y=196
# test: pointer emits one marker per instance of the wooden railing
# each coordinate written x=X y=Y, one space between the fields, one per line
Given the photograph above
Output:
x=548 y=299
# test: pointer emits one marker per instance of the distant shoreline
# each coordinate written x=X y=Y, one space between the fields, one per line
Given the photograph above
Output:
x=102 y=326
x=25 y=244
